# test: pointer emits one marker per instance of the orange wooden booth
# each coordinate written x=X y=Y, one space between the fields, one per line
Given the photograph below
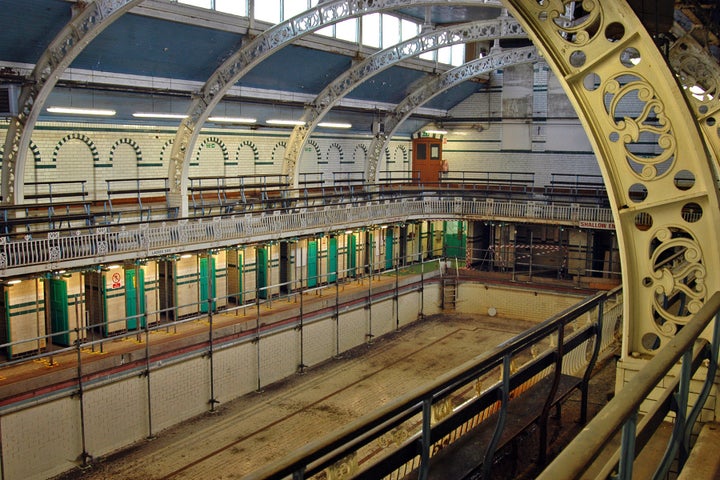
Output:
x=427 y=158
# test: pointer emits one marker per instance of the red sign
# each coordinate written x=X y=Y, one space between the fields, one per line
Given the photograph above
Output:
x=598 y=225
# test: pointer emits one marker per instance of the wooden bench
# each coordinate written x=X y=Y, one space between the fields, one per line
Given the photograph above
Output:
x=56 y=191
x=492 y=181
x=226 y=194
x=137 y=198
x=575 y=186
x=209 y=193
x=45 y=216
x=347 y=180
x=398 y=177
x=310 y=184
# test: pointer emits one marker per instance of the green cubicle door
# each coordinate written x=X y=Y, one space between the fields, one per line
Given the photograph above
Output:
x=352 y=255
x=59 y=321
x=312 y=264
x=207 y=283
x=332 y=259
x=261 y=274
x=135 y=298
x=389 y=241
x=454 y=239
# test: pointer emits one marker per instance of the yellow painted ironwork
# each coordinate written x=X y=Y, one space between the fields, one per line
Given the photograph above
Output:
x=699 y=75
x=658 y=173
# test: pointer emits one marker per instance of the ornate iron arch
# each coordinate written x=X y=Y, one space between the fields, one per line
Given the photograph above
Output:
x=250 y=55
x=95 y=17
x=331 y=95
x=606 y=61
x=434 y=86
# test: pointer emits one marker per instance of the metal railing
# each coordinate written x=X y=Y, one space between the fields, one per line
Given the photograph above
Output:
x=622 y=412
x=91 y=245
x=404 y=434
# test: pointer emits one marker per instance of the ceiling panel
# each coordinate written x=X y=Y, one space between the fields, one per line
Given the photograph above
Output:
x=28 y=26
x=390 y=86
x=142 y=45
x=297 y=69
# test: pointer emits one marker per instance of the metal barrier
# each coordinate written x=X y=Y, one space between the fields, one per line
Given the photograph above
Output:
x=621 y=413
x=112 y=243
x=401 y=437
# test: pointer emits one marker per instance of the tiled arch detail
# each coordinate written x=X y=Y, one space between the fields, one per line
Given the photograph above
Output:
x=126 y=141
x=213 y=141
x=401 y=153
x=360 y=148
x=278 y=146
x=252 y=146
x=316 y=147
x=334 y=147
x=77 y=136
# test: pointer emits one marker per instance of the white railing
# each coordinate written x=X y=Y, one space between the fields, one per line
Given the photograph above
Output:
x=117 y=242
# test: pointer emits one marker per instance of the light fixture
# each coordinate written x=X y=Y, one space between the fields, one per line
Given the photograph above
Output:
x=82 y=111
x=112 y=267
x=438 y=132
x=187 y=255
x=176 y=116
x=14 y=282
x=334 y=125
x=274 y=121
x=232 y=120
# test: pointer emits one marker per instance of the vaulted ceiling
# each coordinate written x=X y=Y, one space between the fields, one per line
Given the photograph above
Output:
x=154 y=57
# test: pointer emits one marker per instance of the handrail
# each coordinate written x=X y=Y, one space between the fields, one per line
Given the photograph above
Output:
x=335 y=446
x=32 y=251
x=622 y=410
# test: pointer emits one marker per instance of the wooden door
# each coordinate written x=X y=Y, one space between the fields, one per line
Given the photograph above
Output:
x=427 y=159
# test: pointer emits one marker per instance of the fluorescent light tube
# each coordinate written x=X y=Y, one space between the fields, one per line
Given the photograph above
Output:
x=285 y=122
x=82 y=111
x=232 y=120
x=177 y=116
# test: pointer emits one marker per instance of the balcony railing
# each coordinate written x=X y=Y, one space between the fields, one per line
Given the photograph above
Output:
x=33 y=252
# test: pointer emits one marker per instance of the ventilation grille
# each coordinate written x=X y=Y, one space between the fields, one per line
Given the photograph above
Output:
x=9 y=100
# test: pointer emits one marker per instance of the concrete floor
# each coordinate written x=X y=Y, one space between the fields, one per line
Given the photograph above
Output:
x=261 y=427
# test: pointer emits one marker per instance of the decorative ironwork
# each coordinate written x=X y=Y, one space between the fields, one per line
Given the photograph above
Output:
x=397 y=436
x=649 y=125
x=331 y=95
x=87 y=24
x=257 y=50
x=699 y=74
x=344 y=469
x=436 y=85
x=441 y=409
x=681 y=278
x=82 y=247
x=646 y=140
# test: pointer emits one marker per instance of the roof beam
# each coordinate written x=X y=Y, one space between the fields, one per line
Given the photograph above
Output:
x=436 y=85
x=254 y=52
x=503 y=27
